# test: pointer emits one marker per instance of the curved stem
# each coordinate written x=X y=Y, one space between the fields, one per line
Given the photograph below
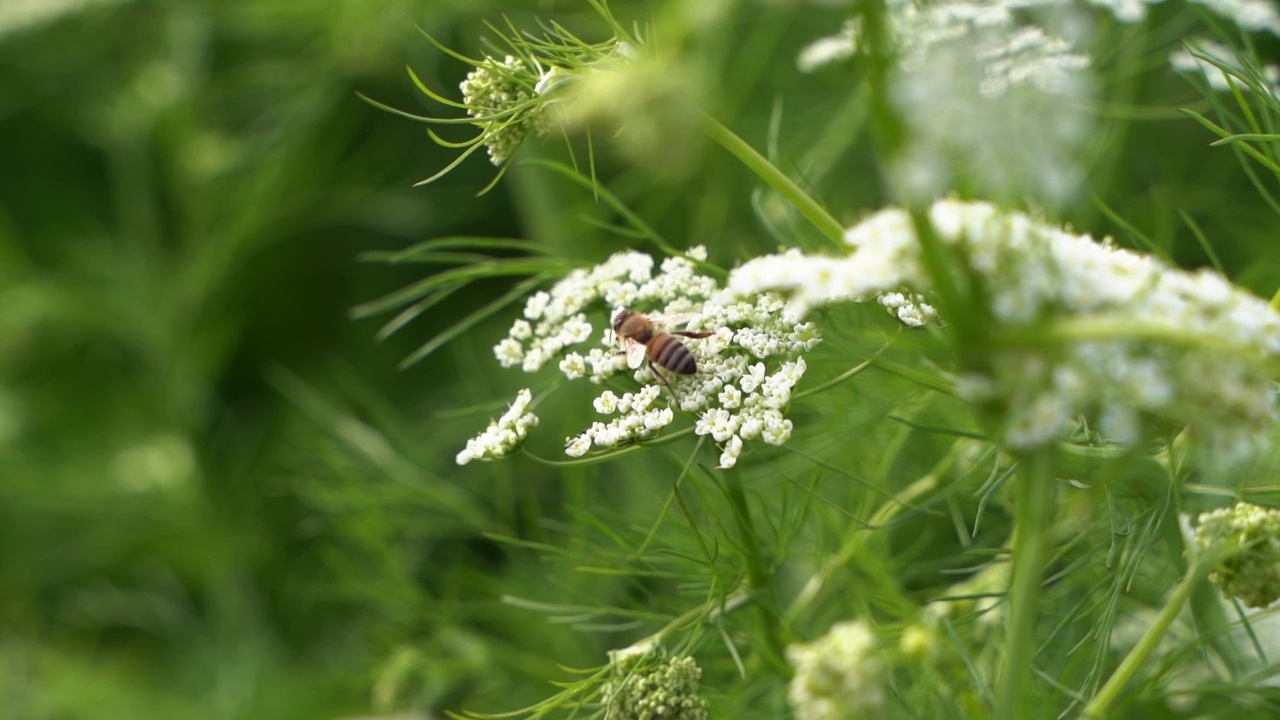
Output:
x=1132 y=662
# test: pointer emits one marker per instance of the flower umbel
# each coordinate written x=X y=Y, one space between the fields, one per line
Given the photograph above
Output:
x=643 y=690
x=838 y=675
x=983 y=95
x=504 y=434
x=1248 y=538
x=746 y=369
x=502 y=97
x=1086 y=328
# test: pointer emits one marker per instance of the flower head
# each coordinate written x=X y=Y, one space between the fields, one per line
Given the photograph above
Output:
x=1136 y=338
x=645 y=690
x=1248 y=539
x=502 y=96
x=746 y=368
x=504 y=434
x=982 y=94
x=839 y=675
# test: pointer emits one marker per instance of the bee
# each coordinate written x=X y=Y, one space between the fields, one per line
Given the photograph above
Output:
x=642 y=336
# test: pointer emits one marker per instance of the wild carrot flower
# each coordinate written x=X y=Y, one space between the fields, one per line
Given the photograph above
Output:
x=1107 y=333
x=982 y=95
x=837 y=676
x=746 y=369
x=1247 y=537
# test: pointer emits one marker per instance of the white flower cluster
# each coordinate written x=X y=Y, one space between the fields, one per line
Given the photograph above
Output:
x=502 y=96
x=503 y=435
x=667 y=690
x=746 y=370
x=983 y=95
x=838 y=675
x=735 y=394
x=1135 y=336
x=1248 y=537
x=1249 y=15
x=831 y=49
x=987 y=101
x=1185 y=62
x=1008 y=54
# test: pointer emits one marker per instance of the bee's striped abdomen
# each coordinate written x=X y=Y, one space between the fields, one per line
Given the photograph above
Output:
x=668 y=352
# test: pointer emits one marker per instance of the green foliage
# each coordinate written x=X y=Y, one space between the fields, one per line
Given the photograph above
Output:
x=224 y=492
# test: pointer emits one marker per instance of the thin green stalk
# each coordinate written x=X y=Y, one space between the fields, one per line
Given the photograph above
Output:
x=1132 y=662
x=1032 y=516
x=776 y=179
x=856 y=540
x=758 y=576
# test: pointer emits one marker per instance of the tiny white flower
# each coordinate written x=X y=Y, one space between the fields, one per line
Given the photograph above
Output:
x=509 y=352
x=729 y=455
x=606 y=403
x=658 y=418
x=751 y=427
x=777 y=429
x=753 y=378
x=521 y=330
x=730 y=397
x=573 y=366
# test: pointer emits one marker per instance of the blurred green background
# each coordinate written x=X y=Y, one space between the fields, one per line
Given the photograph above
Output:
x=219 y=498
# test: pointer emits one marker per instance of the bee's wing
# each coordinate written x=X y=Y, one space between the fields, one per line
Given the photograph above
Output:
x=675 y=320
x=635 y=352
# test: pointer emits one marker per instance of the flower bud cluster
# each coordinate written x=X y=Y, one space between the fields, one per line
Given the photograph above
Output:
x=837 y=676
x=746 y=370
x=667 y=691
x=502 y=96
x=503 y=435
x=1135 y=338
x=1248 y=539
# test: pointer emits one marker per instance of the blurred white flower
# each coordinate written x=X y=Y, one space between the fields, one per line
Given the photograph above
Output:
x=1139 y=339
x=19 y=15
x=983 y=95
x=1184 y=62
x=1247 y=539
x=837 y=676
x=1249 y=15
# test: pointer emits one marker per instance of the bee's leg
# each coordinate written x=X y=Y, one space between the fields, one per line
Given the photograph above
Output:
x=662 y=379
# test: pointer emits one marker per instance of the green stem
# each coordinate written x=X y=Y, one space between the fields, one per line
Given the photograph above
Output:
x=1032 y=516
x=1132 y=662
x=776 y=179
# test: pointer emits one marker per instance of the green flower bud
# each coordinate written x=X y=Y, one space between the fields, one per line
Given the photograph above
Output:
x=643 y=691
x=1246 y=538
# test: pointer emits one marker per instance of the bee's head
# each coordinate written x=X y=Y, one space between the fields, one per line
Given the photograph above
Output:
x=621 y=317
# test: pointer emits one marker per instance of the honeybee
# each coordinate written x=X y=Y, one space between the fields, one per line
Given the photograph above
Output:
x=642 y=336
